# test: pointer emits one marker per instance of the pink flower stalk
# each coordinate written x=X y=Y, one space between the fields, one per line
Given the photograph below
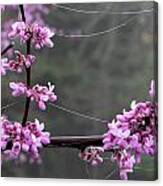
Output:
x=19 y=30
x=126 y=162
x=92 y=155
x=42 y=94
x=40 y=36
x=38 y=93
x=20 y=62
x=34 y=13
x=133 y=132
x=18 y=89
x=3 y=66
x=16 y=139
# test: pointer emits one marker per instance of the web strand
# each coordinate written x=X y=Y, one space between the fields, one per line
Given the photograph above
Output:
x=94 y=34
x=104 y=11
x=8 y=106
x=110 y=174
x=59 y=107
x=76 y=113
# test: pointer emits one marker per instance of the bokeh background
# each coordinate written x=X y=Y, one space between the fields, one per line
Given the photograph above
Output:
x=98 y=76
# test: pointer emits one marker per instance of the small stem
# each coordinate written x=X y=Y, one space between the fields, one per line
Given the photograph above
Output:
x=28 y=72
x=7 y=48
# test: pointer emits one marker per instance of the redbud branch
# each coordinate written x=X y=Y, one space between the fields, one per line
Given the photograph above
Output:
x=79 y=142
x=28 y=71
x=7 y=48
x=22 y=12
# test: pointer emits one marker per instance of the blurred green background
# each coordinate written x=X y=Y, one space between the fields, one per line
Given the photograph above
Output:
x=98 y=76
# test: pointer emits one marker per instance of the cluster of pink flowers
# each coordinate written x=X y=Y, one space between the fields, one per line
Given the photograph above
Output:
x=34 y=13
x=18 y=63
x=38 y=93
x=92 y=155
x=125 y=162
x=18 y=89
x=133 y=134
x=40 y=36
x=17 y=139
x=42 y=94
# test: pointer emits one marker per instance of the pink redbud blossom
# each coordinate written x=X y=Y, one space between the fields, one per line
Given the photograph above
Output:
x=42 y=94
x=38 y=93
x=19 y=30
x=92 y=155
x=31 y=17
x=125 y=162
x=3 y=66
x=18 y=89
x=132 y=134
x=39 y=36
x=16 y=139
x=20 y=62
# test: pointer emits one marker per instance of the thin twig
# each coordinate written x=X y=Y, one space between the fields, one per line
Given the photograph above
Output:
x=104 y=11
x=76 y=113
x=7 y=48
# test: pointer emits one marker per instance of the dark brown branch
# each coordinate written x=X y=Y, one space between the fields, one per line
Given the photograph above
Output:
x=7 y=48
x=79 y=142
x=25 y=116
x=28 y=82
x=22 y=13
x=28 y=71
